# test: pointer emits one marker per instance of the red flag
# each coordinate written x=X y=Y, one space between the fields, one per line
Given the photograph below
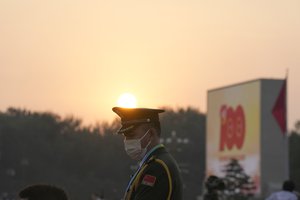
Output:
x=279 y=109
x=149 y=180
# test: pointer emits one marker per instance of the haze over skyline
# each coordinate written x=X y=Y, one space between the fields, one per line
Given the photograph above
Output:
x=77 y=57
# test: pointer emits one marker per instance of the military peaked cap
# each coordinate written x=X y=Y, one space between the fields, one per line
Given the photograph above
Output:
x=130 y=117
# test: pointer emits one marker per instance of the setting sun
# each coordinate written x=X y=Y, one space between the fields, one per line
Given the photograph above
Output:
x=127 y=100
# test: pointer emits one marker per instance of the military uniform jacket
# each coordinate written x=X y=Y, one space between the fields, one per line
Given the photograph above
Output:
x=158 y=178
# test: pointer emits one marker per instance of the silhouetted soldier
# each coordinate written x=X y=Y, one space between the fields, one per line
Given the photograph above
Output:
x=158 y=175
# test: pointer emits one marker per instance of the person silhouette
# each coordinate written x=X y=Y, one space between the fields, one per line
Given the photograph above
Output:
x=42 y=192
x=286 y=193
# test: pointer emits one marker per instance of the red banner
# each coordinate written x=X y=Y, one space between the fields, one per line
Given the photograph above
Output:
x=279 y=109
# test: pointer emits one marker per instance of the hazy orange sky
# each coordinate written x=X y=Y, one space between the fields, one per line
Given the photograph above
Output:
x=77 y=56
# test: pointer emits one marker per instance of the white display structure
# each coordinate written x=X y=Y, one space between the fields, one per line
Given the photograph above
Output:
x=247 y=122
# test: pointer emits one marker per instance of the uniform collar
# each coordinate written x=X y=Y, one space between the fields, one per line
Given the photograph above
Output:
x=149 y=153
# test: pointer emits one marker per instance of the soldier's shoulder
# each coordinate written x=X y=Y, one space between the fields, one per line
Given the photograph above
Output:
x=156 y=163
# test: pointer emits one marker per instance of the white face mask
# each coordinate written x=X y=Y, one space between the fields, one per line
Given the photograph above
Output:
x=134 y=148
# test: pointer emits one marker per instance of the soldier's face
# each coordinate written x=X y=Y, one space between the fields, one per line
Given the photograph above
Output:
x=138 y=133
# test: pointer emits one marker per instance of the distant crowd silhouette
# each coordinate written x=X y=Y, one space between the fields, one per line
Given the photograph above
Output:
x=214 y=190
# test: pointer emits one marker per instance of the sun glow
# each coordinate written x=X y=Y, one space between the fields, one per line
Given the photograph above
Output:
x=127 y=100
